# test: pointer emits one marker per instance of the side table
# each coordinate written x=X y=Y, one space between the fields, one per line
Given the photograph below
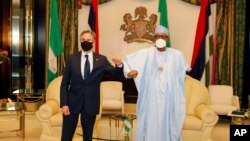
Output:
x=15 y=110
x=240 y=119
x=119 y=117
x=116 y=133
x=32 y=98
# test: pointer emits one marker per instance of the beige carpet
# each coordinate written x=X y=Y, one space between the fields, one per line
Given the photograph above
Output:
x=221 y=131
x=33 y=128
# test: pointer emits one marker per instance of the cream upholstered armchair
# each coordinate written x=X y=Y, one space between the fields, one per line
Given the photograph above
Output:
x=50 y=115
x=112 y=97
x=200 y=119
x=222 y=99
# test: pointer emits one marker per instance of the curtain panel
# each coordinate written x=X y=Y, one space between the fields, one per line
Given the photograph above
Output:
x=230 y=48
x=230 y=44
x=68 y=20
x=239 y=45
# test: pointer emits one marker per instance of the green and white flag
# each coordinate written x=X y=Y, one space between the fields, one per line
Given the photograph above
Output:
x=127 y=124
x=55 y=42
x=162 y=9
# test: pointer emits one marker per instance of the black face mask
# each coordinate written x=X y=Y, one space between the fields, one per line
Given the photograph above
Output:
x=86 y=46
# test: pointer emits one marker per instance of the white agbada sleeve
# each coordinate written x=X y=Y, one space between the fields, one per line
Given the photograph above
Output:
x=136 y=61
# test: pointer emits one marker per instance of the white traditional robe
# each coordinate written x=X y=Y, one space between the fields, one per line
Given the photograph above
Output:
x=161 y=98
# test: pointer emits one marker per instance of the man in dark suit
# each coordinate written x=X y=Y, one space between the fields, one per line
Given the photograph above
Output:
x=80 y=87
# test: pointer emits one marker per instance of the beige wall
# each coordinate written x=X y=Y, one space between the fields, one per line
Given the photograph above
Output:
x=182 y=21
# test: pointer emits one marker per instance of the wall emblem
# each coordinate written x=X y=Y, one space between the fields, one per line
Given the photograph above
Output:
x=139 y=29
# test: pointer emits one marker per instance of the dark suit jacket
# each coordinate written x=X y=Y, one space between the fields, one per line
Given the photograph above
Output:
x=78 y=93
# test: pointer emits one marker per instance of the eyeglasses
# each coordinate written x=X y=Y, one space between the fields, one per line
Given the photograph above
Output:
x=161 y=36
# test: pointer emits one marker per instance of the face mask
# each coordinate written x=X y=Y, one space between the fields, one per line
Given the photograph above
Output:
x=86 y=46
x=160 y=43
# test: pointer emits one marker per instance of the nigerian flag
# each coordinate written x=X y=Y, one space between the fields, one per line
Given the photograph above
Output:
x=162 y=9
x=55 y=42
x=127 y=124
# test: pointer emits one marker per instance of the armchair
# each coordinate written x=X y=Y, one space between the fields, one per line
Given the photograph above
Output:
x=50 y=115
x=222 y=99
x=200 y=119
x=112 y=96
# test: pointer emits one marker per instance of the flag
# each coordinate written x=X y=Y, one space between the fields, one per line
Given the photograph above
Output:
x=162 y=9
x=93 y=22
x=127 y=124
x=198 y=58
x=55 y=42
x=79 y=4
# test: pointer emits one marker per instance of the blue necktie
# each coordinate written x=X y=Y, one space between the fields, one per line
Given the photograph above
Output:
x=86 y=68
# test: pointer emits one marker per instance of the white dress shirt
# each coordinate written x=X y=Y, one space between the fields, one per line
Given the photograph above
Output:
x=83 y=60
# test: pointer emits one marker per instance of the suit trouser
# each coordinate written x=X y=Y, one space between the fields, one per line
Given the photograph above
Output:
x=70 y=123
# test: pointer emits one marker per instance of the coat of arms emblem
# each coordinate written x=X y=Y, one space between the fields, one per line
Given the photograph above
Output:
x=140 y=29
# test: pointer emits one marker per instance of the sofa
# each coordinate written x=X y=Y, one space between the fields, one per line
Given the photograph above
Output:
x=200 y=119
x=50 y=116
x=223 y=101
x=112 y=97
x=198 y=125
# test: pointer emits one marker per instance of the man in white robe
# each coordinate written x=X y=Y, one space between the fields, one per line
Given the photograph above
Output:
x=159 y=75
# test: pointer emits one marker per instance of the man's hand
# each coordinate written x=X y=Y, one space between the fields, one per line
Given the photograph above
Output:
x=133 y=73
x=117 y=61
x=65 y=110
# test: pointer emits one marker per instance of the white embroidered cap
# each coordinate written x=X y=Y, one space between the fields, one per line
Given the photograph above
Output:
x=161 y=29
